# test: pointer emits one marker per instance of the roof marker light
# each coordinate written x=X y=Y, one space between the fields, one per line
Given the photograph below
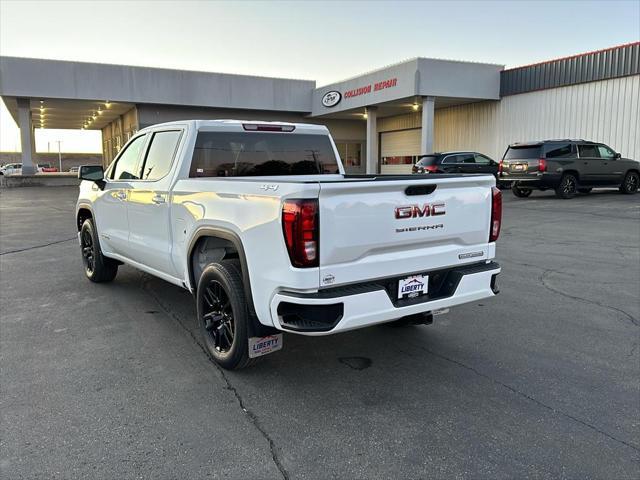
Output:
x=258 y=127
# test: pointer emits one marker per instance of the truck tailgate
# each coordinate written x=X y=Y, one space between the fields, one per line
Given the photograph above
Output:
x=380 y=227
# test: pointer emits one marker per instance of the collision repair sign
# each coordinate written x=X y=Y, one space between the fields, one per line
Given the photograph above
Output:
x=365 y=89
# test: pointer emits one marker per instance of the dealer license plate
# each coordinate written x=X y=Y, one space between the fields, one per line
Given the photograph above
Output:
x=413 y=286
x=259 y=346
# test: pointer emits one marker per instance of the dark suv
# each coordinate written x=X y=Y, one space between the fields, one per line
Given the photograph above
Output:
x=456 y=162
x=566 y=166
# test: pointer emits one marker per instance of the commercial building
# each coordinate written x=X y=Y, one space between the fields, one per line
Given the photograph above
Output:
x=381 y=121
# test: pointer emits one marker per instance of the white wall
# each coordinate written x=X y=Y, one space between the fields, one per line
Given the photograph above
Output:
x=607 y=111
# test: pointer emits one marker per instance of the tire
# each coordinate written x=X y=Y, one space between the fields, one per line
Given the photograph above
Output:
x=568 y=186
x=223 y=315
x=97 y=267
x=630 y=183
x=585 y=190
x=521 y=192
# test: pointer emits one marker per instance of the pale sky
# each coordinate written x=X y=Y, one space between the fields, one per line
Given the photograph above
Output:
x=323 y=41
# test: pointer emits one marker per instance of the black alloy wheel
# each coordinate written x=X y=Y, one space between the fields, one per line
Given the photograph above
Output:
x=97 y=267
x=630 y=183
x=88 y=251
x=217 y=317
x=224 y=317
x=568 y=186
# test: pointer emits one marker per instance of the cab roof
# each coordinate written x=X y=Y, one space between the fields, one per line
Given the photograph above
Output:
x=232 y=123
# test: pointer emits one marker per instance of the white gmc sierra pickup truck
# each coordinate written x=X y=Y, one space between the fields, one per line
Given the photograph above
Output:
x=260 y=223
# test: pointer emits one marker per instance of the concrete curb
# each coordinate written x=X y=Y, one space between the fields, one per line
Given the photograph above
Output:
x=39 y=180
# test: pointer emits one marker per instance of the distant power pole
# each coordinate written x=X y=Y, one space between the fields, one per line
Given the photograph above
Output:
x=59 y=156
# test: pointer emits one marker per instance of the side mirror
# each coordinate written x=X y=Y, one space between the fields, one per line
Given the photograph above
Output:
x=617 y=155
x=92 y=173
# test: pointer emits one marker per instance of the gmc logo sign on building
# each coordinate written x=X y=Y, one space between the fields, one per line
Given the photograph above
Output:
x=415 y=211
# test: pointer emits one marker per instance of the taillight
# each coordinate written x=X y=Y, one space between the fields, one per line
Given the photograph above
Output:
x=542 y=165
x=300 y=224
x=496 y=214
x=500 y=167
x=431 y=168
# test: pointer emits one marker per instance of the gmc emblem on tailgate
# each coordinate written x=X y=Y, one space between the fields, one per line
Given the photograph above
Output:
x=415 y=211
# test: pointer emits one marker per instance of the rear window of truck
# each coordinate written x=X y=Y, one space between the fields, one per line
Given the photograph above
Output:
x=249 y=154
x=517 y=153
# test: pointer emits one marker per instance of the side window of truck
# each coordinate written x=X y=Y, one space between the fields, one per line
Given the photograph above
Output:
x=588 y=151
x=127 y=164
x=160 y=154
x=606 y=152
x=564 y=150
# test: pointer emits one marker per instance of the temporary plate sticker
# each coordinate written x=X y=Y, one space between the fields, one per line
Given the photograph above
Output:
x=413 y=286
x=259 y=346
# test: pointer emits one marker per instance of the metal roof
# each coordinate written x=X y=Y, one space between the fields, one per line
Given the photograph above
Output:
x=614 y=62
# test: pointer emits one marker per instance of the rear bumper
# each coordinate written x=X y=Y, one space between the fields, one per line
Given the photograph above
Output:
x=355 y=306
x=535 y=180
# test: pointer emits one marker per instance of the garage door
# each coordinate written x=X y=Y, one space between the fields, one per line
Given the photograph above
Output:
x=398 y=150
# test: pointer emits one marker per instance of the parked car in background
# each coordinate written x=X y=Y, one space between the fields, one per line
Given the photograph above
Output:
x=11 y=169
x=46 y=168
x=568 y=167
x=456 y=162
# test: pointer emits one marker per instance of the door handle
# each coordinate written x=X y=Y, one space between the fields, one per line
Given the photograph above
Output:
x=157 y=198
x=121 y=195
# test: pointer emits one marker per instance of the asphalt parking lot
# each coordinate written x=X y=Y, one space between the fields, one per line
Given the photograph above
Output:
x=109 y=381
